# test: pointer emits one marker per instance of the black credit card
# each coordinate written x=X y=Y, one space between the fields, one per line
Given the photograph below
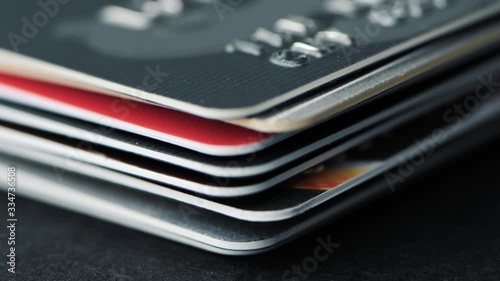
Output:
x=218 y=59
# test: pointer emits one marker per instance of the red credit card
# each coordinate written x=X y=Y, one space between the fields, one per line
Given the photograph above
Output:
x=175 y=127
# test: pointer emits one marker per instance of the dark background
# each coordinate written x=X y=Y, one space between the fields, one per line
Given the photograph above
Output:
x=443 y=225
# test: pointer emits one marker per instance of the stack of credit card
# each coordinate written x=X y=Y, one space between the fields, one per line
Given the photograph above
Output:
x=235 y=126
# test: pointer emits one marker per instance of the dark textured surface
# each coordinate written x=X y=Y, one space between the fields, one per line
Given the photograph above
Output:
x=443 y=227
